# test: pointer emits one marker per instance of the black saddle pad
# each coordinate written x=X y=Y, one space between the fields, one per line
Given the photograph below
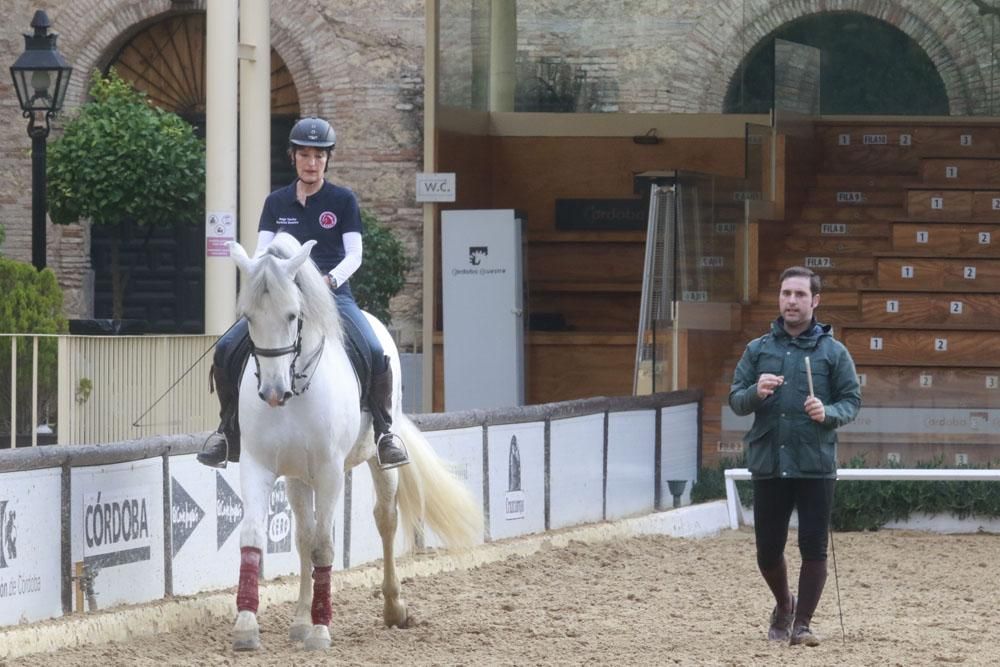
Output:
x=354 y=344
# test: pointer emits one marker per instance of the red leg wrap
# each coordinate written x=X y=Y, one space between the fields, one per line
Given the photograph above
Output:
x=246 y=596
x=321 y=611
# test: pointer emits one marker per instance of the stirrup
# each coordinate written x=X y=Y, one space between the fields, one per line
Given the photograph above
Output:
x=215 y=452
x=395 y=450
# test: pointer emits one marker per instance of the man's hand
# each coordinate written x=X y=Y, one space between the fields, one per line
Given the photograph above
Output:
x=815 y=410
x=767 y=383
x=330 y=282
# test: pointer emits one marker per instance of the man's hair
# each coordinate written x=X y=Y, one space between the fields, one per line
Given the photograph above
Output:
x=802 y=272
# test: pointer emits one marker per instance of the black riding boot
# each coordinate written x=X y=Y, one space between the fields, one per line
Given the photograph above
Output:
x=812 y=578
x=224 y=444
x=781 y=616
x=390 y=450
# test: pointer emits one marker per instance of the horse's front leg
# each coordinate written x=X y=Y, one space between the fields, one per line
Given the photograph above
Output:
x=256 y=484
x=300 y=497
x=328 y=482
x=386 y=482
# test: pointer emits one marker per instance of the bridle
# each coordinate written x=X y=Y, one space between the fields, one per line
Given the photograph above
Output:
x=294 y=349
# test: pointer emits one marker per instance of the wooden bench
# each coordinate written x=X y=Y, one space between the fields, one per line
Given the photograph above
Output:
x=929 y=386
x=880 y=346
x=928 y=274
x=946 y=239
x=833 y=213
x=960 y=170
x=957 y=309
x=857 y=196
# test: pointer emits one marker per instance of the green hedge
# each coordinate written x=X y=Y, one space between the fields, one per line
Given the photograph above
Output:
x=870 y=505
x=32 y=303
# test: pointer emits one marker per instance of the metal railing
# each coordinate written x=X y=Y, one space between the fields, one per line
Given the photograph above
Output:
x=31 y=339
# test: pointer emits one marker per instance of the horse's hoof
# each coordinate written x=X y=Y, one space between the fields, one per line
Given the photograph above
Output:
x=318 y=638
x=246 y=633
x=299 y=631
x=248 y=643
x=396 y=616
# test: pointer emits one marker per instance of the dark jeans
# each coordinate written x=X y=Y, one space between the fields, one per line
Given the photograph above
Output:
x=233 y=348
x=352 y=316
x=773 y=501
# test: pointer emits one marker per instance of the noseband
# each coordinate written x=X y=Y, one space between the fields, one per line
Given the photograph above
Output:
x=293 y=349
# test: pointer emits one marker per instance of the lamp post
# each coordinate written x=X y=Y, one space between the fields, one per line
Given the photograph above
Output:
x=41 y=76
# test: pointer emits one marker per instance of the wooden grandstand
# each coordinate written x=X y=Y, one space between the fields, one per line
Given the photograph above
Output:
x=902 y=221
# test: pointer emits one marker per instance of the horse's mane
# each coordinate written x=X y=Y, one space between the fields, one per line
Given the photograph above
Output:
x=318 y=308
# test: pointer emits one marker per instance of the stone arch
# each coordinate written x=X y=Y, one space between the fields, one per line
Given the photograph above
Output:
x=101 y=27
x=935 y=27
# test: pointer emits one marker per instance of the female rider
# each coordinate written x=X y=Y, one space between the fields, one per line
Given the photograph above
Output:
x=310 y=208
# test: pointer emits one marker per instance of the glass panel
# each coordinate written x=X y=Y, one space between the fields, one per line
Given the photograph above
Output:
x=796 y=79
x=695 y=257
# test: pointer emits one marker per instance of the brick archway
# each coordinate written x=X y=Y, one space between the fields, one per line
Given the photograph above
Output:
x=935 y=27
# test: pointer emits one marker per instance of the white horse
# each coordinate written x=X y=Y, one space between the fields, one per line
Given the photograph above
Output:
x=300 y=417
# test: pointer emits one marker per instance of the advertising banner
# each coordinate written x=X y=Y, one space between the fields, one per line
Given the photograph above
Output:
x=117 y=529
x=462 y=451
x=576 y=478
x=30 y=569
x=206 y=513
x=366 y=544
x=517 y=479
x=679 y=450
x=631 y=463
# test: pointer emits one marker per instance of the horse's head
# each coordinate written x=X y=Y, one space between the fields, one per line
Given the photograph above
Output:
x=273 y=305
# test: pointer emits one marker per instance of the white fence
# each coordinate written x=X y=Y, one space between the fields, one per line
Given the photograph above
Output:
x=152 y=522
x=872 y=474
x=106 y=383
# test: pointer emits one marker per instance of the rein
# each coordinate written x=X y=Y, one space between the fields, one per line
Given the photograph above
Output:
x=293 y=349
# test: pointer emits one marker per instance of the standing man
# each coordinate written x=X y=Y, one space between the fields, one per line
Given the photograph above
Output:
x=792 y=446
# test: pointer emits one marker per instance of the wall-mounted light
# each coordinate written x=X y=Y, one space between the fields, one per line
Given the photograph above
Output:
x=649 y=138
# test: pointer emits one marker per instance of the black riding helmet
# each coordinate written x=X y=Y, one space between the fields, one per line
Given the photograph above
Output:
x=314 y=132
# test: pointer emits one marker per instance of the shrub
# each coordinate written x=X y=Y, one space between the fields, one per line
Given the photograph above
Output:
x=32 y=303
x=383 y=268
x=121 y=159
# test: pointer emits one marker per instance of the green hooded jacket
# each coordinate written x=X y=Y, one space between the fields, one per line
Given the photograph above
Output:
x=784 y=442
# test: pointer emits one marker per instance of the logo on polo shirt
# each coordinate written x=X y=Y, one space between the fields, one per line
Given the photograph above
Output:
x=327 y=220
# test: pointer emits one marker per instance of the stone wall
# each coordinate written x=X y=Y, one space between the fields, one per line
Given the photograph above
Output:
x=365 y=75
x=675 y=56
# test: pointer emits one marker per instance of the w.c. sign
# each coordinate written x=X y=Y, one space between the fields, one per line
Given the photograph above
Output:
x=435 y=187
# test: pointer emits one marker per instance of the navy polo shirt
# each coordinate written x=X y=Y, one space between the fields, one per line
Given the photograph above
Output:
x=326 y=217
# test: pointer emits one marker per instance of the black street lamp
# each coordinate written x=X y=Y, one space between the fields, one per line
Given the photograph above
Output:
x=41 y=76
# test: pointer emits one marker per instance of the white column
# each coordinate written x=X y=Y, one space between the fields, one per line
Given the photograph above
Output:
x=503 y=50
x=221 y=50
x=255 y=115
x=430 y=210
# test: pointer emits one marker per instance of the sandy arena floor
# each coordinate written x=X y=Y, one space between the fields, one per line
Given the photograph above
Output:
x=908 y=599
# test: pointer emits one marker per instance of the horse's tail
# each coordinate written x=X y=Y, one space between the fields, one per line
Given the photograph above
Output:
x=429 y=493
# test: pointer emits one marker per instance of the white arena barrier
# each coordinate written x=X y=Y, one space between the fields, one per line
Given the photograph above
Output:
x=141 y=520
